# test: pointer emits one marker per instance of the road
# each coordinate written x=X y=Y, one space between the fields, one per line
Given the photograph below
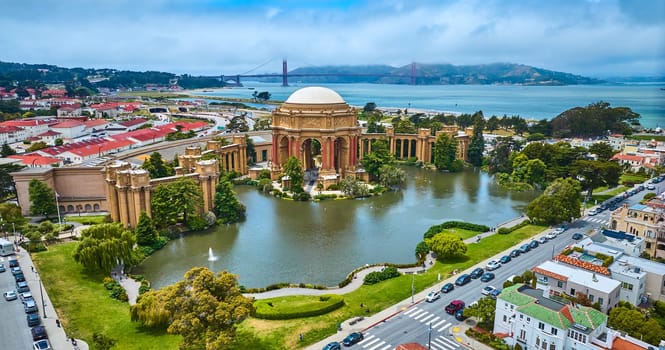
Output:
x=413 y=323
x=14 y=330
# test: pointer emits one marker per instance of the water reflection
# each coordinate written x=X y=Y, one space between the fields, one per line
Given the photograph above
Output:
x=320 y=243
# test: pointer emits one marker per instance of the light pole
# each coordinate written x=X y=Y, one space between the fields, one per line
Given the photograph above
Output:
x=429 y=336
x=41 y=293
x=413 y=288
x=57 y=206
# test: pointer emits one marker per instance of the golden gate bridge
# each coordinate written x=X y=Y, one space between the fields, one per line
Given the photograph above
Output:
x=285 y=75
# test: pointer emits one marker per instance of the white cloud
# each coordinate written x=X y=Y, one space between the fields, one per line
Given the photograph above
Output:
x=589 y=38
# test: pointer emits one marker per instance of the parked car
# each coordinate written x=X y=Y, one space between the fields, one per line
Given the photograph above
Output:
x=559 y=230
x=25 y=296
x=487 y=276
x=477 y=272
x=10 y=295
x=462 y=280
x=22 y=287
x=42 y=345
x=2 y=268
x=533 y=244
x=33 y=319
x=651 y=187
x=515 y=253
x=551 y=235
x=577 y=236
x=505 y=259
x=433 y=296
x=332 y=346
x=542 y=240
x=19 y=277
x=454 y=306
x=13 y=262
x=459 y=315
x=495 y=293
x=447 y=288
x=493 y=265
x=38 y=332
x=352 y=338
x=592 y=212
x=524 y=248
x=30 y=306
x=16 y=270
x=487 y=290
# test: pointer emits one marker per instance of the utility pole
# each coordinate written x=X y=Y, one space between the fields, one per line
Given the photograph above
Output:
x=413 y=288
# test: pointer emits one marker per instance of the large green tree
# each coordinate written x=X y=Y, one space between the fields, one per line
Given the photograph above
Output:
x=293 y=169
x=625 y=317
x=157 y=167
x=227 y=206
x=602 y=150
x=559 y=202
x=6 y=150
x=477 y=144
x=445 y=151
x=378 y=157
x=446 y=245
x=484 y=311
x=7 y=188
x=595 y=173
x=391 y=177
x=595 y=119
x=204 y=309
x=146 y=233
x=104 y=246
x=11 y=216
x=176 y=200
x=42 y=198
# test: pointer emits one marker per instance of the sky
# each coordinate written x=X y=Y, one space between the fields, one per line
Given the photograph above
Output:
x=597 y=38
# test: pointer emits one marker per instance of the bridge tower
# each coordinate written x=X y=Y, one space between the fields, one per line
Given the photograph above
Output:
x=285 y=72
x=413 y=73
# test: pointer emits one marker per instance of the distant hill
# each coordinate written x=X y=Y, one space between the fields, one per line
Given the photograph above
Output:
x=442 y=74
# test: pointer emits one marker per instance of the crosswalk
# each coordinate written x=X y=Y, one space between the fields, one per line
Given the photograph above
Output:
x=596 y=220
x=428 y=318
x=371 y=342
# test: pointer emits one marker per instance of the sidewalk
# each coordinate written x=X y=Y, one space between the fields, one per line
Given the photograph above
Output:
x=56 y=335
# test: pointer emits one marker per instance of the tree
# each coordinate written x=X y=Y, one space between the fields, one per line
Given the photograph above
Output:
x=6 y=150
x=11 y=214
x=204 y=309
x=484 y=311
x=477 y=144
x=263 y=95
x=42 y=198
x=353 y=188
x=369 y=107
x=624 y=317
x=499 y=158
x=157 y=167
x=421 y=250
x=227 y=207
x=237 y=124
x=602 y=150
x=379 y=156
x=58 y=142
x=146 y=233
x=293 y=169
x=177 y=199
x=492 y=123
x=404 y=126
x=595 y=173
x=446 y=245
x=37 y=146
x=559 y=202
x=391 y=177
x=7 y=187
x=250 y=150
x=104 y=246
x=445 y=151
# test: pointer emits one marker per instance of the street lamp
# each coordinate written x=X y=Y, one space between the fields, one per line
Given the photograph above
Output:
x=429 y=336
x=57 y=206
x=413 y=288
x=41 y=293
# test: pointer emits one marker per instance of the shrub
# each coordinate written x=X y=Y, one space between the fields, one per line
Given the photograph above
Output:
x=507 y=230
x=378 y=276
x=333 y=187
x=578 y=249
x=455 y=224
x=196 y=223
x=302 y=196
x=283 y=309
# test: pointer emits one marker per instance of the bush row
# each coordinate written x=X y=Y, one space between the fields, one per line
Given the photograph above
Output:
x=507 y=230
x=326 y=303
x=488 y=338
x=378 y=276
x=117 y=292
x=275 y=286
x=455 y=224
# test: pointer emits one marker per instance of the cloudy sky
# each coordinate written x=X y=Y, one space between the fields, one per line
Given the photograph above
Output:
x=597 y=38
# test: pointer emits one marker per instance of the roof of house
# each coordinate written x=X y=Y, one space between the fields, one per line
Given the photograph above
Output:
x=68 y=124
x=531 y=302
x=33 y=159
x=95 y=122
x=49 y=133
x=27 y=122
x=620 y=156
x=582 y=264
x=133 y=122
x=583 y=277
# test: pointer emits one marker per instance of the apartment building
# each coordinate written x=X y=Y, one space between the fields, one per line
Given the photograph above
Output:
x=643 y=221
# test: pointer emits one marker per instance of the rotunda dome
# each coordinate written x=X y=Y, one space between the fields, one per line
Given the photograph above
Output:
x=315 y=95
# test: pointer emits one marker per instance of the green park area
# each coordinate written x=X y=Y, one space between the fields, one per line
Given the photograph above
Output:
x=85 y=307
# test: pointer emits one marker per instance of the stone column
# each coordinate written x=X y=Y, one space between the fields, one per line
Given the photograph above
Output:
x=136 y=194
x=122 y=205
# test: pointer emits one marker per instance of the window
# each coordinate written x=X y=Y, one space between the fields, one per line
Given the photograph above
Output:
x=554 y=330
x=537 y=341
x=559 y=284
x=521 y=316
x=528 y=319
x=541 y=325
x=591 y=297
x=600 y=301
x=505 y=318
x=626 y=285
x=522 y=334
x=552 y=346
x=512 y=307
x=572 y=291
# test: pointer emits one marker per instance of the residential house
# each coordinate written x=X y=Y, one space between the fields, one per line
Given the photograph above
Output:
x=35 y=160
x=68 y=111
x=561 y=280
x=70 y=129
x=534 y=321
x=643 y=221
x=49 y=137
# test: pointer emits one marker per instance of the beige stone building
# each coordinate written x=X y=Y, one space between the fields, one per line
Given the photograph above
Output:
x=643 y=221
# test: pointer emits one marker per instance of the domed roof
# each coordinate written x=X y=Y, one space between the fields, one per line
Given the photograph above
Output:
x=315 y=95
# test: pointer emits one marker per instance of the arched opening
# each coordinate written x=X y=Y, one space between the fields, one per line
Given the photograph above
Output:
x=88 y=208
x=70 y=208
x=613 y=225
x=95 y=207
x=62 y=208
x=312 y=157
x=283 y=150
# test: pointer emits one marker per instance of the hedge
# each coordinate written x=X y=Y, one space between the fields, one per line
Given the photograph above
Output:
x=285 y=309
x=378 y=276
x=455 y=224
x=507 y=230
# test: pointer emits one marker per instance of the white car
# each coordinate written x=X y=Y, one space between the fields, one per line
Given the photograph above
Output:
x=559 y=230
x=487 y=290
x=433 y=296
x=10 y=295
x=493 y=265
x=651 y=187
x=551 y=235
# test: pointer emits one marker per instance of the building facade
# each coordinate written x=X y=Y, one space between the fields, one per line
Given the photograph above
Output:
x=642 y=221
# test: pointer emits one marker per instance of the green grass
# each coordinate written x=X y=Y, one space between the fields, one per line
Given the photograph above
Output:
x=633 y=178
x=84 y=306
x=262 y=334
x=88 y=219
x=296 y=306
x=461 y=232
x=660 y=138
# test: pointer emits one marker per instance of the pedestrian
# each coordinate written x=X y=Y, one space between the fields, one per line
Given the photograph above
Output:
x=57 y=323
x=300 y=336
x=362 y=305
x=32 y=268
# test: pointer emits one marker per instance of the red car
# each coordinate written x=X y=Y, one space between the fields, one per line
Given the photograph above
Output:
x=454 y=306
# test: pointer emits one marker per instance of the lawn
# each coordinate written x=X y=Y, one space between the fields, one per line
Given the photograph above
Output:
x=84 y=306
x=631 y=178
x=88 y=219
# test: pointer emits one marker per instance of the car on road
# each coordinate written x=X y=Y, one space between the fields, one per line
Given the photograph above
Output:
x=487 y=290
x=2 y=268
x=495 y=293
x=433 y=296
x=352 y=338
x=524 y=248
x=592 y=212
x=559 y=230
x=16 y=270
x=487 y=276
x=25 y=296
x=19 y=277
x=515 y=253
x=505 y=259
x=29 y=306
x=447 y=288
x=577 y=236
x=542 y=240
x=22 y=287
x=13 y=262
x=533 y=244
x=551 y=235
x=33 y=320
x=454 y=306
x=38 y=332
x=651 y=187
x=333 y=346
x=462 y=280
x=459 y=315
x=10 y=295
x=493 y=265
x=477 y=272
x=42 y=345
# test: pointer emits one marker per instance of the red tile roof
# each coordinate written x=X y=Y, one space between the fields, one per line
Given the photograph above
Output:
x=27 y=122
x=549 y=274
x=94 y=122
x=9 y=128
x=583 y=264
x=133 y=122
x=68 y=124
x=35 y=159
x=49 y=133
x=623 y=344
x=620 y=156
